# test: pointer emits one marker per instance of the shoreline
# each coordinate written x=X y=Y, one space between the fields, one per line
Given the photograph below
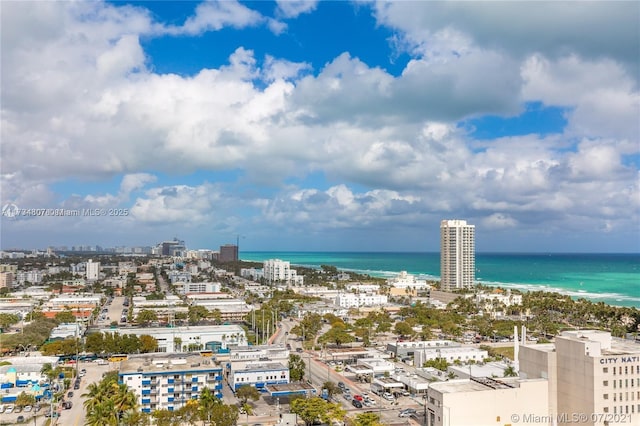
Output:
x=607 y=296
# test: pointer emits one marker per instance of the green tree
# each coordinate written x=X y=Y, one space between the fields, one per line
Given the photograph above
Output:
x=165 y=417
x=316 y=408
x=6 y=320
x=367 y=419
x=24 y=399
x=148 y=343
x=510 y=372
x=332 y=388
x=247 y=392
x=197 y=314
x=403 y=328
x=337 y=334
x=65 y=317
x=296 y=367
x=439 y=363
x=94 y=343
x=224 y=415
x=146 y=316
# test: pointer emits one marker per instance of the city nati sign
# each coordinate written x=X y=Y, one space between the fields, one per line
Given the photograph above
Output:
x=624 y=359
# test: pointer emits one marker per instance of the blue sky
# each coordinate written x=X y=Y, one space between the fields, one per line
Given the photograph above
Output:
x=306 y=125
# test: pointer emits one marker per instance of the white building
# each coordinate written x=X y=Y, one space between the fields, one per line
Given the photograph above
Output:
x=461 y=353
x=402 y=349
x=92 y=270
x=588 y=372
x=32 y=276
x=259 y=375
x=230 y=309
x=276 y=270
x=201 y=287
x=457 y=255
x=169 y=382
x=351 y=300
x=405 y=280
x=241 y=356
x=486 y=401
x=175 y=339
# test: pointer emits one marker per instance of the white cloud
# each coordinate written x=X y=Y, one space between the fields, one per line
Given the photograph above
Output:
x=294 y=8
x=80 y=101
x=215 y=15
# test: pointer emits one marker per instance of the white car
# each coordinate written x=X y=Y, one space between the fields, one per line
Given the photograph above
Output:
x=388 y=396
x=9 y=409
x=28 y=409
x=1 y=409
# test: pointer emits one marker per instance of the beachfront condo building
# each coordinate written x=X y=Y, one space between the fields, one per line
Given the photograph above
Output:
x=457 y=255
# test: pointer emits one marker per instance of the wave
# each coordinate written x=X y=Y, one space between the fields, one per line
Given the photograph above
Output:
x=604 y=297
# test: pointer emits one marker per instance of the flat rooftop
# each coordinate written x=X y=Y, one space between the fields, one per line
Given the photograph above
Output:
x=475 y=385
x=267 y=366
x=167 y=363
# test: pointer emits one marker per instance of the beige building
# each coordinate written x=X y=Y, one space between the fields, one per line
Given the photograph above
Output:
x=487 y=401
x=594 y=379
x=6 y=279
x=457 y=255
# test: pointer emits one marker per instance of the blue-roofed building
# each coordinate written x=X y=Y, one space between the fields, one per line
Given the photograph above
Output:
x=168 y=381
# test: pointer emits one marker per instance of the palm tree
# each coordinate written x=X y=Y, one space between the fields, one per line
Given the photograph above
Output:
x=510 y=371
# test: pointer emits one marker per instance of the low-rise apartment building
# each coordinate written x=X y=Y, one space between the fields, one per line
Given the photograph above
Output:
x=169 y=382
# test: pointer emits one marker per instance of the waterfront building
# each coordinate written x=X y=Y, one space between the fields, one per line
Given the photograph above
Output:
x=169 y=381
x=588 y=372
x=276 y=270
x=457 y=255
x=228 y=253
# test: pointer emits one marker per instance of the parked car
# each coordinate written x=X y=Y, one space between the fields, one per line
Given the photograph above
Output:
x=388 y=396
x=1 y=409
x=70 y=394
x=342 y=386
x=358 y=398
x=20 y=419
x=28 y=408
x=406 y=393
x=356 y=403
x=407 y=412
x=67 y=405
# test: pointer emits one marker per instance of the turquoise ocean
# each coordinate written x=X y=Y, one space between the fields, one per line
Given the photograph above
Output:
x=610 y=278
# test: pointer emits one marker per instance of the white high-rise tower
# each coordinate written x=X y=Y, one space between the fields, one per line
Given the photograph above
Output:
x=457 y=255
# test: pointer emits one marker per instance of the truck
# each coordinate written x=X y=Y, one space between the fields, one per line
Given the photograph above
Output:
x=377 y=388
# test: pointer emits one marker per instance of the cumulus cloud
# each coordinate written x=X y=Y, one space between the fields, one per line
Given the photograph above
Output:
x=294 y=8
x=81 y=101
x=215 y=15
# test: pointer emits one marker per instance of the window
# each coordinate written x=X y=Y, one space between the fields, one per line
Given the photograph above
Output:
x=605 y=396
x=605 y=383
x=605 y=370
x=606 y=409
